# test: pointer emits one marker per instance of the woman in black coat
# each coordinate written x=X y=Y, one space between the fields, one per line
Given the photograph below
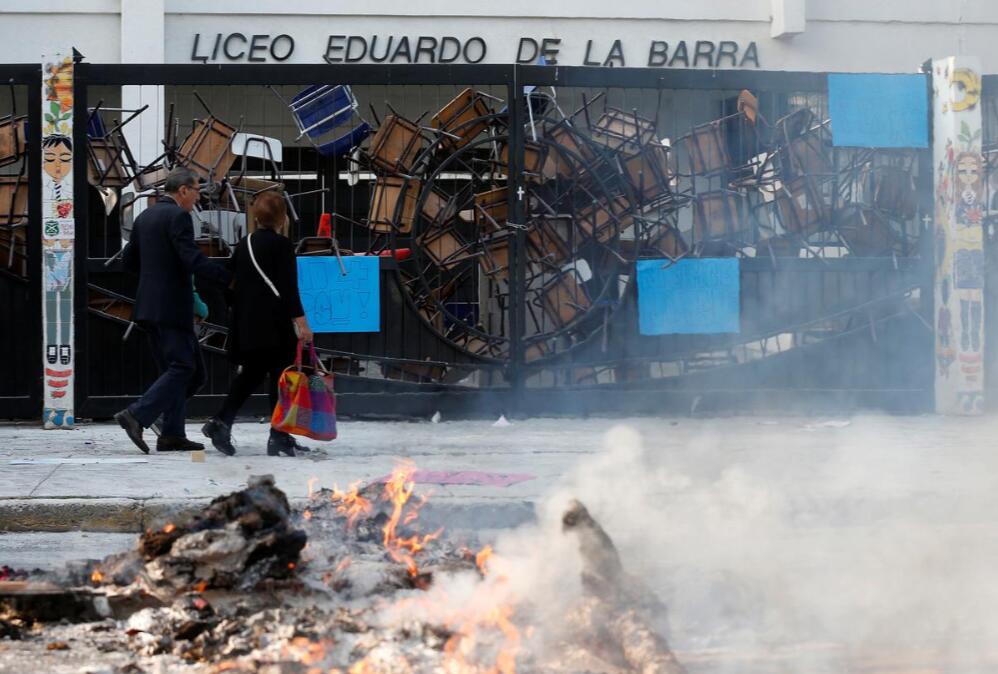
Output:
x=267 y=320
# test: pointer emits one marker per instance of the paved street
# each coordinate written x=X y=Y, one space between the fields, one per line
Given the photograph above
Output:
x=865 y=544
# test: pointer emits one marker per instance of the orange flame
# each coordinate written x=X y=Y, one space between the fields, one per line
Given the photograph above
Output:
x=482 y=558
x=97 y=576
x=351 y=503
x=307 y=514
x=201 y=587
x=398 y=491
x=312 y=481
x=465 y=641
x=306 y=651
x=169 y=528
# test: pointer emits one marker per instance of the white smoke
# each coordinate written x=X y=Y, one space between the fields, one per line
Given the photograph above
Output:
x=777 y=556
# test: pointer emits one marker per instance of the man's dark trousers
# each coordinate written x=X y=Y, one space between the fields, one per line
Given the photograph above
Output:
x=177 y=355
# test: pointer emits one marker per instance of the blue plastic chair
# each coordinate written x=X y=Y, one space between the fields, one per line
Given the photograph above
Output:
x=323 y=108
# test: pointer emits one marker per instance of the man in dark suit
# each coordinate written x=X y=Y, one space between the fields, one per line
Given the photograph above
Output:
x=161 y=250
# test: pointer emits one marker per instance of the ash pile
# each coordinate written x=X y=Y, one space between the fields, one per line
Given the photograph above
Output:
x=350 y=584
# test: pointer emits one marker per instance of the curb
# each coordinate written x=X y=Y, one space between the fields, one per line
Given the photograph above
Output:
x=122 y=515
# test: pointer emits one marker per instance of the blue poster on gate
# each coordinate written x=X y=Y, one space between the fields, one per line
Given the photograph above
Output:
x=338 y=302
x=689 y=296
x=879 y=110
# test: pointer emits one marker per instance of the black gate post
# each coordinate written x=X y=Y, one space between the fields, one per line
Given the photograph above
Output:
x=927 y=250
x=34 y=236
x=517 y=216
x=81 y=245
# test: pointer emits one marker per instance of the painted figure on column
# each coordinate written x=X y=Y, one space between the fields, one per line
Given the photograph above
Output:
x=58 y=302
x=57 y=162
x=960 y=265
x=57 y=242
x=58 y=261
x=970 y=186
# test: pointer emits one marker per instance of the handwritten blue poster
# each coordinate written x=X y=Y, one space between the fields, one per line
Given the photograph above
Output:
x=689 y=297
x=335 y=302
x=878 y=110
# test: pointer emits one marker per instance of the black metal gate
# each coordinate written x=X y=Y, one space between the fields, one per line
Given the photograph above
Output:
x=20 y=242
x=511 y=204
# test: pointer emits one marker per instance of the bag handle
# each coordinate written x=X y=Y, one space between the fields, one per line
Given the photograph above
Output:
x=266 y=279
x=316 y=363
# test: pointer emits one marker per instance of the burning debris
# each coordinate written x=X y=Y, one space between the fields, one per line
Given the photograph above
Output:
x=353 y=585
x=235 y=543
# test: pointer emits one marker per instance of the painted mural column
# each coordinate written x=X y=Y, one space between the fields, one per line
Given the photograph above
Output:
x=959 y=236
x=58 y=233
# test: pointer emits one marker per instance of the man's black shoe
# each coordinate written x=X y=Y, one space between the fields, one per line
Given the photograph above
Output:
x=220 y=435
x=280 y=443
x=167 y=443
x=133 y=428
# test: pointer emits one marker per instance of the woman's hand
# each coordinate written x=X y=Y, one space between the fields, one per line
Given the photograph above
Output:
x=303 y=330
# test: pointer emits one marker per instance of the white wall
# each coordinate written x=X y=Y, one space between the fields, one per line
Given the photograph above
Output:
x=838 y=35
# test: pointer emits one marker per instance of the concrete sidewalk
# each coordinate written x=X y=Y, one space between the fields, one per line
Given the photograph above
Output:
x=94 y=479
x=921 y=466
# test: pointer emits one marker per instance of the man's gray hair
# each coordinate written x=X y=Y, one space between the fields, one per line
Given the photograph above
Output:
x=179 y=177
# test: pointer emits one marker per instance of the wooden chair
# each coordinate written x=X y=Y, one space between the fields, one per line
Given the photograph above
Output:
x=393 y=204
x=106 y=166
x=719 y=216
x=534 y=157
x=395 y=145
x=442 y=245
x=13 y=200
x=803 y=146
x=781 y=245
x=208 y=149
x=110 y=304
x=14 y=250
x=617 y=129
x=438 y=209
x=495 y=255
x=238 y=193
x=726 y=144
x=462 y=119
x=213 y=246
x=867 y=233
x=413 y=372
x=603 y=221
x=665 y=239
x=13 y=139
x=648 y=172
x=803 y=205
x=14 y=221
x=110 y=164
x=573 y=155
x=890 y=190
x=320 y=245
x=547 y=242
x=491 y=209
x=563 y=299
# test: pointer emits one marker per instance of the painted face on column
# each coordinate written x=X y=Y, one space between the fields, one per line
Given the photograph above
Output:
x=57 y=156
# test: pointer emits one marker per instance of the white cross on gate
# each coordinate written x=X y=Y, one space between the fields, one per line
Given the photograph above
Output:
x=519 y=193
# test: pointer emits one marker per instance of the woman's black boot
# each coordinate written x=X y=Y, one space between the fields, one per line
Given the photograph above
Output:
x=280 y=443
x=220 y=435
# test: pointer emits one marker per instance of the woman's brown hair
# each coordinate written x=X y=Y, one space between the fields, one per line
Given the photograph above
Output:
x=269 y=211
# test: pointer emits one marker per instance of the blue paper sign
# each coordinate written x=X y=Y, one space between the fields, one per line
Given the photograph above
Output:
x=878 y=110
x=335 y=302
x=689 y=297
